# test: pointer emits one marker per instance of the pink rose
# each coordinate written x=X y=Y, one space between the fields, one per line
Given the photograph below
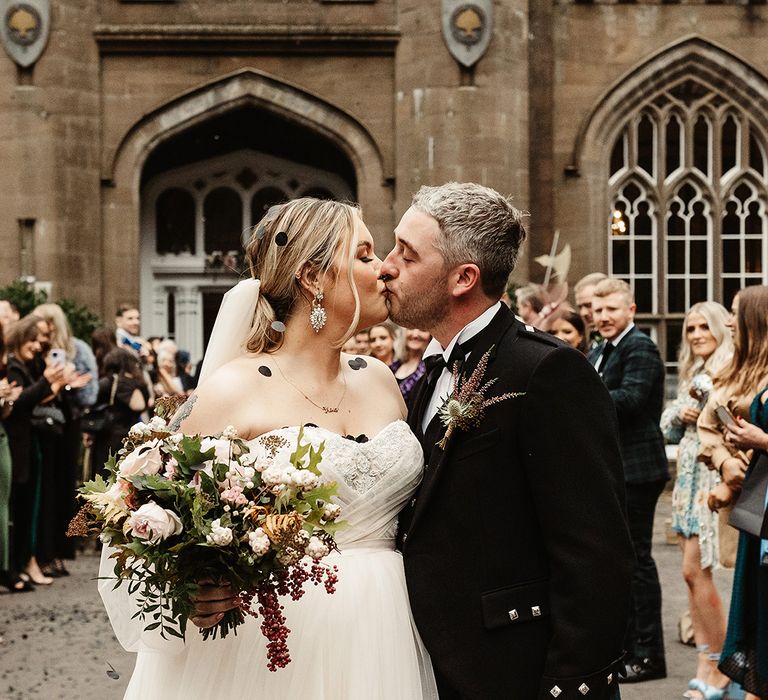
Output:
x=145 y=459
x=153 y=523
x=234 y=496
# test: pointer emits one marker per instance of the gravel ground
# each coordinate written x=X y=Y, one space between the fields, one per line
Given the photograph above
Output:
x=57 y=642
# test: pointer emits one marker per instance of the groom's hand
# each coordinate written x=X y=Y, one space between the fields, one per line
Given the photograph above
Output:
x=211 y=602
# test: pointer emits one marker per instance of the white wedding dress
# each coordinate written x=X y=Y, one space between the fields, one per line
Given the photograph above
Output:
x=359 y=643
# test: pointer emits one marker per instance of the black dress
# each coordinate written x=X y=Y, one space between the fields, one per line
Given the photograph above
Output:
x=123 y=417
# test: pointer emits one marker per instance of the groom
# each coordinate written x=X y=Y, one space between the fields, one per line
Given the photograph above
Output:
x=516 y=549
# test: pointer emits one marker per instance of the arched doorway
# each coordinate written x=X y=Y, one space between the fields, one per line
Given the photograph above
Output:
x=202 y=191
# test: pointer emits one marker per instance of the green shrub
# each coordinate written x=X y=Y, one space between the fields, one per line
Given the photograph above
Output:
x=82 y=320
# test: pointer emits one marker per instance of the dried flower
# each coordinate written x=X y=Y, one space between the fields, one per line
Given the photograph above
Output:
x=465 y=406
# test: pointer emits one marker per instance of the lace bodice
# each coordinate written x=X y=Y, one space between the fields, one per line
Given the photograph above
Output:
x=375 y=478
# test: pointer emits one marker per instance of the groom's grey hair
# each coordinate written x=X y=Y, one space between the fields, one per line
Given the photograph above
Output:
x=478 y=225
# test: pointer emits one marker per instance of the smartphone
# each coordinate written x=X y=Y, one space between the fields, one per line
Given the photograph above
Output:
x=57 y=357
x=725 y=417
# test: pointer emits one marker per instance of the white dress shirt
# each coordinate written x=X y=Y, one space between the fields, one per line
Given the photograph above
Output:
x=443 y=386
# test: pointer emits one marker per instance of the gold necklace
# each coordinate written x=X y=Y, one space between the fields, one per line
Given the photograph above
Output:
x=324 y=409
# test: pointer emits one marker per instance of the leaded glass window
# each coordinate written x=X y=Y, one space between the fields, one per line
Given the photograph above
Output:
x=688 y=219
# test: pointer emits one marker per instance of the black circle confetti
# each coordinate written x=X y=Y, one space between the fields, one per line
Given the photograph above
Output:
x=358 y=363
x=281 y=238
x=278 y=326
x=266 y=371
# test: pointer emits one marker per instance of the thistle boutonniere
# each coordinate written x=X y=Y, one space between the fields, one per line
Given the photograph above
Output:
x=465 y=406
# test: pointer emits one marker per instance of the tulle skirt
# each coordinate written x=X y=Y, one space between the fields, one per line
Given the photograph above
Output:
x=360 y=642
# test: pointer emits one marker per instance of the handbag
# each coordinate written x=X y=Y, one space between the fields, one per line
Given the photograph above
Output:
x=48 y=419
x=99 y=419
x=749 y=511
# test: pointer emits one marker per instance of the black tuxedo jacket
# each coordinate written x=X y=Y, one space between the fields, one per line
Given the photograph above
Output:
x=634 y=377
x=517 y=554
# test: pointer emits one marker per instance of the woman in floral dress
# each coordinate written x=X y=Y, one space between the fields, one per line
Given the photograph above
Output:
x=706 y=346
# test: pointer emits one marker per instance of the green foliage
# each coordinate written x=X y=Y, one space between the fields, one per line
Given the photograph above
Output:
x=23 y=295
x=81 y=319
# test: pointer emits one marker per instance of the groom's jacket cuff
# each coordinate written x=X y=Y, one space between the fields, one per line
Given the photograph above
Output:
x=600 y=685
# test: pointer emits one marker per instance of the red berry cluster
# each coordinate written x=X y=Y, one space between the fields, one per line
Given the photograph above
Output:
x=320 y=573
x=282 y=583
x=273 y=626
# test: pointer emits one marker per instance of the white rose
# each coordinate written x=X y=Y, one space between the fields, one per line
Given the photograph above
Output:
x=259 y=542
x=222 y=448
x=153 y=523
x=157 y=424
x=145 y=459
x=220 y=536
x=316 y=549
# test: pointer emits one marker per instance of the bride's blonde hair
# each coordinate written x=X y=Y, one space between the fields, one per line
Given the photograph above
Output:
x=304 y=233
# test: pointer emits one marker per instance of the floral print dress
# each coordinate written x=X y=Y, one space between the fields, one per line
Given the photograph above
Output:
x=690 y=515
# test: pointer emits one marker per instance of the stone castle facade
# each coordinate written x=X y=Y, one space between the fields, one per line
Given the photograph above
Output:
x=150 y=134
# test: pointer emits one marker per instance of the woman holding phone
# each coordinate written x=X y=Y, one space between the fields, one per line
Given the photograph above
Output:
x=742 y=388
x=706 y=347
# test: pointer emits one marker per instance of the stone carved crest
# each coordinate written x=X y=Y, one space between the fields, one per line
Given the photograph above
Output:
x=24 y=29
x=467 y=28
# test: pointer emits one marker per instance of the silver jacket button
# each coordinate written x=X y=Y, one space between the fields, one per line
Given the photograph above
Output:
x=583 y=688
x=513 y=614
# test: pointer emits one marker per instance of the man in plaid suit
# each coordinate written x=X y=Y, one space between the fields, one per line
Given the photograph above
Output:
x=631 y=368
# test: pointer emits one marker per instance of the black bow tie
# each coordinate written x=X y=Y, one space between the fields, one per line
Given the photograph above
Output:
x=435 y=364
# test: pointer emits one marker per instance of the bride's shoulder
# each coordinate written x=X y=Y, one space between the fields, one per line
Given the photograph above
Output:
x=224 y=398
x=370 y=374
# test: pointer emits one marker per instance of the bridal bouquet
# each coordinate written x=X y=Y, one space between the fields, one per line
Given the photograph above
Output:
x=181 y=509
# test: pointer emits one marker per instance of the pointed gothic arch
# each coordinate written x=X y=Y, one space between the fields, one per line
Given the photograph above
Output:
x=689 y=123
x=691 y=59
x=122 y=166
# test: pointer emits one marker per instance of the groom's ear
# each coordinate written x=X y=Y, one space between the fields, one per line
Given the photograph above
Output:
x=464 y=279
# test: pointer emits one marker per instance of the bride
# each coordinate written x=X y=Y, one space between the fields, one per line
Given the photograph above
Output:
x=273 y=363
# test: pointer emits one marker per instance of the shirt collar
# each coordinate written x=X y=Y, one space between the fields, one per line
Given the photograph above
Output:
x=469 y=331
x=621 y=335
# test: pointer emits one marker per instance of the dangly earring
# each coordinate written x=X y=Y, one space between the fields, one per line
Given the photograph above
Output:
x=317 y=316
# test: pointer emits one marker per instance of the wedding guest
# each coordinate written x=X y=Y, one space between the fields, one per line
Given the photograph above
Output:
x=124 y=388
x=741 y=387
x=409 y=370
x=169 y=383
x=61 y=453
x=9 y=577
x=631 y=368
x=362 y=343
x=185 y=371
x=583 y=291
x=350 y=346
x=529 y=303
x=705 y=348
x=128 y=330
x=102 y=341
x=23 y=345
x=567 y=325
x=9 y=312
x=383 y=338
